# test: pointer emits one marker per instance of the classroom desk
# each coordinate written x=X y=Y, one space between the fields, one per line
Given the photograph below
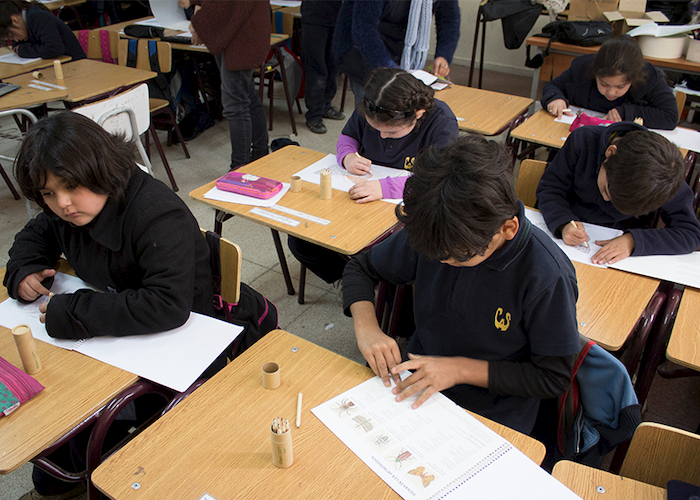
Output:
x=57 y=4
x=87 y=78
x=595 y=484
x=678 y=64
x=610 y=302
x=76 y=386
x=352 y=227
x=8 y=70
x=483 y=111
x=218 y=440
x=684 y=344
x=27 y=97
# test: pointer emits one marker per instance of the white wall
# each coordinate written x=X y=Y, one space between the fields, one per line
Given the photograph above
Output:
x=496 y=56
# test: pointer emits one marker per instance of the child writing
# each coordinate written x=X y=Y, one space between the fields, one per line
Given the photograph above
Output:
x=397 y=119
x=122 y=231
x=36 y=32
x=616 y=81
x=620 y=176
x=489 y=286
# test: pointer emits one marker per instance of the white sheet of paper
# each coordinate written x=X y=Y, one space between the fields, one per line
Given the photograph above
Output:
x=169 y=14
x=423 y=76
x=12 y=58
x=228 y=197
x=682 y=269
x=286 y=3
x=659 y=31
x=578 y=253
x=342 y=180
x=435 y=451
x=682 y=137
x=569 y=119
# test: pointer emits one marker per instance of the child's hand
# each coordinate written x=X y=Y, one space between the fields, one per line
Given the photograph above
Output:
x=437 y=373
x=574 y=236
x=184 y=4
x=357 y=165
x=381 y=352
x=366 y=191
x=441 y=67
x=557 y=107
x=30 y=287
x=614 y=250
x=613 y=115
x=42 y=310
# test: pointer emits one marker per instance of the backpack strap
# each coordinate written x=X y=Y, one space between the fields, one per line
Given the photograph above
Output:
x=131 y=53
x=106 y=47
x=572 y=393
x=84 y=40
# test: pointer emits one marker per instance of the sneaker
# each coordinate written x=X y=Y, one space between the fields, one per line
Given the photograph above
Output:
x=333 y=114
x=317 y=127
x=77 y=493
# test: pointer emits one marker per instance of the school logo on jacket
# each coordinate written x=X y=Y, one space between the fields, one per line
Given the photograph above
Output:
x=502 y=321
x=408 y=162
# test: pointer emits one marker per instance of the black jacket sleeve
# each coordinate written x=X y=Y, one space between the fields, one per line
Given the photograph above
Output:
x=543 y=377
x=655 y=103
x=44 y=39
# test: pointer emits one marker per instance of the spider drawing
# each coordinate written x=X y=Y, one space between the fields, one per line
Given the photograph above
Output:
x=345 y=406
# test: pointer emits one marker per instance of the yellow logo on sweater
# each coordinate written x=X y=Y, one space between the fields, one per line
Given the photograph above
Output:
x=501 y=321
x=408 y=162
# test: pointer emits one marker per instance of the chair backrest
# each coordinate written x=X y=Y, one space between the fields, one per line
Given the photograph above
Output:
x=230 y=262
x=135 y=99
x=143 y=51
x=680 y=102
x=102 y=45
x=529 y=176
x=659 y=453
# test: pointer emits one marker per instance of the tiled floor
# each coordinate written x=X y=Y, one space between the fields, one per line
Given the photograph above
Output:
x=320 y=319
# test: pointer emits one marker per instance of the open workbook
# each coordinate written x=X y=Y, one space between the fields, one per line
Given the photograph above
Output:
x=436 y=451
x=175 y=358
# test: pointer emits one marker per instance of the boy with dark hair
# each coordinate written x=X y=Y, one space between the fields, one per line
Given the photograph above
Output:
x=620 y=176
x=495 y=298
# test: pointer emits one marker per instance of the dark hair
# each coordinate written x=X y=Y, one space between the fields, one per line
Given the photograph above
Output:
x=8 y=8
x=77 y=150
x=620 y=56
x=644 y=173
x=458 y=198
x=393 y=95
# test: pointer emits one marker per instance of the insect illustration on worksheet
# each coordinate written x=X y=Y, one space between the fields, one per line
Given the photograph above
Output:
x=398 y=459
x=426 y=479
x=345 y=406
x=364 y=422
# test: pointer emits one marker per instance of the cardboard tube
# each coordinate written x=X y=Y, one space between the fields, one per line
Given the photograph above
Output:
x=38 y=75
x=27 y=349
x=296 y=184
x=326 y=186
x=271 y=375
x=282 y=453
x=58 y=69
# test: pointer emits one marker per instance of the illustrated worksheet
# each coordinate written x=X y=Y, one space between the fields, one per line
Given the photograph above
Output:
x=433 y=452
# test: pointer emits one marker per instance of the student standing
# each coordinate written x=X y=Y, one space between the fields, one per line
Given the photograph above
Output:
x=616 y=81
x=237 y=33
x=36 y=32
x=321 y=72
x=620 y=176
x=397 y=119
x=495 y=298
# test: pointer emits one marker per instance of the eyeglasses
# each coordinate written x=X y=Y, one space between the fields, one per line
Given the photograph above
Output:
x=393 y=114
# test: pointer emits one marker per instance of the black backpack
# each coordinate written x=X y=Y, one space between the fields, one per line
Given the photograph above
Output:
x=583 y=33
x=256 y=314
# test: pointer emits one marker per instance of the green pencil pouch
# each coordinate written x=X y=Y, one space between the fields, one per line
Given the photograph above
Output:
x=16 y=387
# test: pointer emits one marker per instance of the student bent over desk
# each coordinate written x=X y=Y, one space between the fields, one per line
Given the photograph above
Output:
x=495 y=298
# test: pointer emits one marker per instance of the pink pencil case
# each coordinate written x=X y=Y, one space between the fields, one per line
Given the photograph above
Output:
x=249 y=185
x=16 y=387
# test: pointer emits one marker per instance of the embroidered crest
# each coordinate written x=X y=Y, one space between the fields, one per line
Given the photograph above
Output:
x=408 y=162
x=502 y=321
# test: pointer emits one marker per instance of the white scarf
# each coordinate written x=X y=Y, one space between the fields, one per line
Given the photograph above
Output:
x=417 y=40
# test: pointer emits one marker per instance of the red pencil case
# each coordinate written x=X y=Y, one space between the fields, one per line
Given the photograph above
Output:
x=16 y=387
x=249 y=185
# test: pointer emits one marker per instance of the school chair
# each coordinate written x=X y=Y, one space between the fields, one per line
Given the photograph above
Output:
x=101 y=45
x=659 y=453
x=230 y=264
x=529 y=176
x=680 y=102
x=127 y=113
x=267 y=72
x=155 y=56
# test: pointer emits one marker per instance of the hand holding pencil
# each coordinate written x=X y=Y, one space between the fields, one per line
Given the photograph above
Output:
x=357 y=165
x=574 y=234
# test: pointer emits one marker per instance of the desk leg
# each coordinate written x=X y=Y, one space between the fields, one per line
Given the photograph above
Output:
x=219 y=219
x=283 y=262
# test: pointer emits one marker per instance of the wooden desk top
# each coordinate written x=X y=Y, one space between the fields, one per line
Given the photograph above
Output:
x=87 y=78
x=75 y=387
x=353 y=226
x=610 y=302
x=684 y=345
x=8 y=70
x=218 y=439
x=57 y=4
x=584 y=480
x=482 y=111
x=678 y=64
x=26 y=97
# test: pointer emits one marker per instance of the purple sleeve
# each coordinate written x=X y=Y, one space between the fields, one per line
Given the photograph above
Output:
x=346 y=146
x=392 y=187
